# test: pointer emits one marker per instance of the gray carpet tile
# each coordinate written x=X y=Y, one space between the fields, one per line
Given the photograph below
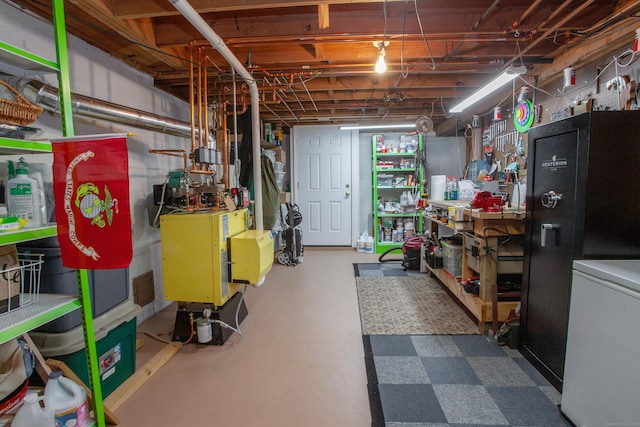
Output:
x=459 y=381
x=464 y=403
x=435 y=346
x=477 y=345
x=392 y=265
x=416 y=425
x=526 y=406
x=532 y=372
x=499 y=371
x=400 y=370
x=410 y=403
x=552 y=394
x=394 y=273
x=450 y=370
x=392 y=345
x=495 y=386
x=370 y=266
x=371 y=273
x=441 y=425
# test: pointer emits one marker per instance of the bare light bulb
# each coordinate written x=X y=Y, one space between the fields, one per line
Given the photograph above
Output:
x=381 y=66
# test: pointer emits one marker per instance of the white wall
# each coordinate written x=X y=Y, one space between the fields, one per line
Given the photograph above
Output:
x=98 y=75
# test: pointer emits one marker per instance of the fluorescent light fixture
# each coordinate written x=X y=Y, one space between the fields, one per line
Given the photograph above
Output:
x=508 y=75
x=396 y=126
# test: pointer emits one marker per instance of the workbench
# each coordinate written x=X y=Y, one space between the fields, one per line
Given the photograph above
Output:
x=485 y=229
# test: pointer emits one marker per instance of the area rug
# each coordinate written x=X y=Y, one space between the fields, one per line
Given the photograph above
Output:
x=410 y=305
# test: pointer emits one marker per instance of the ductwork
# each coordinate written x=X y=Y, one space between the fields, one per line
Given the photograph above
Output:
x=48 y=98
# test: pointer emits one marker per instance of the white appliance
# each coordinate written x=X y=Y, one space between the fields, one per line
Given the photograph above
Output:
x=601 y=375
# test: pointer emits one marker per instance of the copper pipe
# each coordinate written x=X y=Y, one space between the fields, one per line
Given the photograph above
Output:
x=191 y=100
x=243 y=100
x=205 y=106
x=183 y=154
x=199 y=101
x=201 y=171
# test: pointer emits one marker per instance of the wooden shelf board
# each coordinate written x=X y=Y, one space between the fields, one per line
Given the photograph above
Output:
x=480 y=309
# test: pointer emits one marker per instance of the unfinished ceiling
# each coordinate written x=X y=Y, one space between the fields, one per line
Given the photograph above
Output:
x=314 y=61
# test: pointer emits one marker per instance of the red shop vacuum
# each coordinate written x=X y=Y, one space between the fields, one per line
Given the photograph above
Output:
x=410 y=253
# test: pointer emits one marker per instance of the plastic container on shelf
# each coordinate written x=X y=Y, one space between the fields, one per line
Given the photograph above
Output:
x=107 y=288
x=278 y=166
x=67 y=400
x=31 y=414
x=270 y=154
x=115 y=335
x=452 y=258
x=24 y=198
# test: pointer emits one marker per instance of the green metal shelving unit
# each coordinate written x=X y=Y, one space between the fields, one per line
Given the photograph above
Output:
x=392 y=192
x=50 y=307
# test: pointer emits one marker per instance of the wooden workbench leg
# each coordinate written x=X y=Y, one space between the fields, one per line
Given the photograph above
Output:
x=489 y=277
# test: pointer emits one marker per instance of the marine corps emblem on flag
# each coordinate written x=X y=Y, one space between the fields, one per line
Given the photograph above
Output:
x=91 y=191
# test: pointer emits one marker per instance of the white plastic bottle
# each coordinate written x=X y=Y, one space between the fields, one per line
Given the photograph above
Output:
x=67 y=400
x=41 y=196
x=31 y=414
x=368 y=245
x=23 y=198
x=362 y=241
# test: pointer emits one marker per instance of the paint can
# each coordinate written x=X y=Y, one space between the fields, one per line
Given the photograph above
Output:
x=569 y=77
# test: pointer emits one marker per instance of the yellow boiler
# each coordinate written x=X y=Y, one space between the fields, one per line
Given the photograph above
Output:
x=195 y=255
x=251 y=256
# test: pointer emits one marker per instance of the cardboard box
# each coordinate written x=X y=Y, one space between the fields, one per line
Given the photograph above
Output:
x=10 y=278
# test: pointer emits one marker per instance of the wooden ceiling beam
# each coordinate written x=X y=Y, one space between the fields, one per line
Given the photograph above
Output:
x=152 y=8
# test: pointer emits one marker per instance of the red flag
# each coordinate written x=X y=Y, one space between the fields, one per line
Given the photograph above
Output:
x=91 y=191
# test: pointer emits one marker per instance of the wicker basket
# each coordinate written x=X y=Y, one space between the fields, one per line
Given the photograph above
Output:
x=18 y=111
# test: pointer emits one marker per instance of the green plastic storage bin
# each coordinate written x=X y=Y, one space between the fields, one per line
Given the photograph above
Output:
x=115 y=333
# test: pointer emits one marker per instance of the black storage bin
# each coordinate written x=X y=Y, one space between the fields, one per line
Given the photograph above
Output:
x=107 y=288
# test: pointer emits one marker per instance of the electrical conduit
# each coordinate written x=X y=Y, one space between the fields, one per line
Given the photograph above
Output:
x=217 y=43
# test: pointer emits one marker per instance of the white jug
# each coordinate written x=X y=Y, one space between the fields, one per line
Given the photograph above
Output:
x=31 y=414
x=67 y=400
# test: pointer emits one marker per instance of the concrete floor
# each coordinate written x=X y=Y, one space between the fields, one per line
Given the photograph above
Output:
x=300 y=361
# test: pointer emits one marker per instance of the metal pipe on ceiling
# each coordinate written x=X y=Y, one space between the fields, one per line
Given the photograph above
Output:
x=48 y=97
x=185 y=8
x=308 y=93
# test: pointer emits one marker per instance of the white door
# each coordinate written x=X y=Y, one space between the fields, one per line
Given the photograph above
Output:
x=323 y=163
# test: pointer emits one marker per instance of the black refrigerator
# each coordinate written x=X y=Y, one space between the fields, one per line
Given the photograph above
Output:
x=583 y=202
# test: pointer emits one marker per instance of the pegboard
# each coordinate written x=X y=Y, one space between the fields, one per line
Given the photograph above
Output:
x=594 y=81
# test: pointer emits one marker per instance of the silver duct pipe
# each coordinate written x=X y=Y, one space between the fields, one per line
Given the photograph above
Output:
x=217 y=43
x=48 y=98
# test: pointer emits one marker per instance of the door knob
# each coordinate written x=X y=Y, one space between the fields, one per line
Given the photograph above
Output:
x=550 y=199
x=347 y=194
